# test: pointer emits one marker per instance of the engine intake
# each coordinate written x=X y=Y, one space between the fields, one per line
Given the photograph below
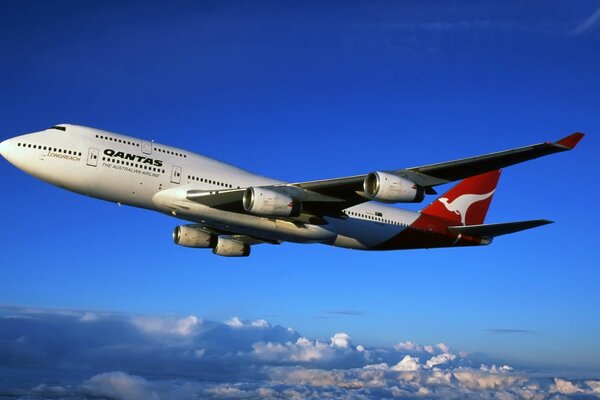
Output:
x=231 y=248
x=270 y=203
x=389 y=188
x=189 y=236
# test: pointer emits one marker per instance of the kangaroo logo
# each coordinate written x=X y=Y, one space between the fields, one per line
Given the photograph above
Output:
x=460 y=205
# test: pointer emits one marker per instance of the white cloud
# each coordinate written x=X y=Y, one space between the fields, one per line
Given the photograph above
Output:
x=429 y=349
x=408 y=346
x=443 y=348
x=89 y=316
x=477 y=380
x=594 y=386
x=199 y=353
x=565 y=387
x=302 y=350
x=341 y=340
x=225 y=392
x=168 y=325
x=408 y=363
x=376 y=366
x=120 y=385
x=260 y=323
x=235 y=322
x=412 y=348
x=157 y=357
x=440 y=359
x=588 y=25
x=494 y=369
x=438 y=377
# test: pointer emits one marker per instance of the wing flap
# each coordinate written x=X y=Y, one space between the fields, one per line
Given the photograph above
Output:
x=314 y=205
x=493 y=230
x=226 y=200
x=250 y=240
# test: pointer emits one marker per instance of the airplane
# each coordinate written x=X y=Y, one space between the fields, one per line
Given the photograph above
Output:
x=231 y=209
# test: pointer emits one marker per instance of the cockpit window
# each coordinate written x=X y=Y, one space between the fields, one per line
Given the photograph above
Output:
x=60 y=128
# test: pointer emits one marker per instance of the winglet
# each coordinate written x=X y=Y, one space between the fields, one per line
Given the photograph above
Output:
x=571 y=141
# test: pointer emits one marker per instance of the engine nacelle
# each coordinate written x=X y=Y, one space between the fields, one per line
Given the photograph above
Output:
x=188 y=236
x=231 y=248
x=270 y=203
x=389 y=188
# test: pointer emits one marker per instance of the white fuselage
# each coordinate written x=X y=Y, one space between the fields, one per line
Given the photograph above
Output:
x=145 y=174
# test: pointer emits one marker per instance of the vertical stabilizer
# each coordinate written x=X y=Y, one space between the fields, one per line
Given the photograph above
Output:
x=466 y=203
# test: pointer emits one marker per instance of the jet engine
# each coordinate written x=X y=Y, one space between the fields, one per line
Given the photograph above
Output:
x=188 y=236
x=270 y=203
x=389 y=188
x=231 y=248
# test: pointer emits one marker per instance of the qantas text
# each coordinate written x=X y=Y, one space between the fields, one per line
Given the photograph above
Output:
x=133 y=157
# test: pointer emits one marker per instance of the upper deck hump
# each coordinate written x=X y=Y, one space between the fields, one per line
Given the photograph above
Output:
x=176 y=155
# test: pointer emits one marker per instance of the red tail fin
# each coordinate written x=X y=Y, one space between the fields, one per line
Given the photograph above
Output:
x=466 y=203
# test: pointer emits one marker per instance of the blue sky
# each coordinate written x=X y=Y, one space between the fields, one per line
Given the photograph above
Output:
x=303 y=91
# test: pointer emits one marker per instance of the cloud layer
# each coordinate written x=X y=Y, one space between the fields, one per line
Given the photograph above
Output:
x=73 y=354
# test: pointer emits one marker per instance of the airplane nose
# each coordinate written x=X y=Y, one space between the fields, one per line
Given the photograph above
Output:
x=4 y=146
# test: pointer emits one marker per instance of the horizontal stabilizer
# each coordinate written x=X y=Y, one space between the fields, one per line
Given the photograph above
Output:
x=493 y=230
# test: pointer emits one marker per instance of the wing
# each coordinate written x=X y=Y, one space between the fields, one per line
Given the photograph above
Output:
x=327 y=197
x=450 y=171
x=431 y=175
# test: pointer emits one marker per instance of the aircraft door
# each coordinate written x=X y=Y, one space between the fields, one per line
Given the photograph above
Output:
x=92 y=159
x=176 y=174
x=146 y=147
